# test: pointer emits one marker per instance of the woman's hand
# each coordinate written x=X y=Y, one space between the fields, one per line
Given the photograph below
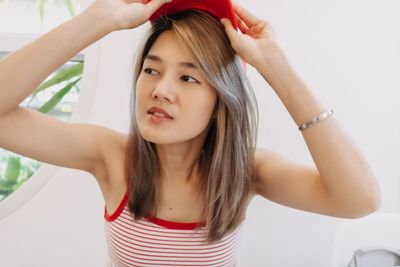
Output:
x=126 y=14
x=258 y=38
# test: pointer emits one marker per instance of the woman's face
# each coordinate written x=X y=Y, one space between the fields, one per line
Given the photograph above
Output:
x=170 y=79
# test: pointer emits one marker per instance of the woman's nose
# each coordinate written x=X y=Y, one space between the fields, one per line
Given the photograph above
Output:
x=164 y=90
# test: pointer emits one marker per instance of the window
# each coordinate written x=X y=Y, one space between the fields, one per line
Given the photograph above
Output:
x=56 y=96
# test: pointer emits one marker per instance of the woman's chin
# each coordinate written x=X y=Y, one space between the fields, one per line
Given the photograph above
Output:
x=157 y=139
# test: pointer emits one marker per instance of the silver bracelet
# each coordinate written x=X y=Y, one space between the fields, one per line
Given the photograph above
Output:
x=317 y=119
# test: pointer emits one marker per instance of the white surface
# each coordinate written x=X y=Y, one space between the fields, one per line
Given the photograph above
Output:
x=377 y=230
x=349 y=54
x=22 y=16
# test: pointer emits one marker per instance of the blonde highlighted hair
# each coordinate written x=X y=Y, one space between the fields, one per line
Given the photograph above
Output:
x=227 y=162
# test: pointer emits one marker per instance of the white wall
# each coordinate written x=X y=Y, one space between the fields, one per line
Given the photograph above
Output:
x=21 y=16
x=349 y=54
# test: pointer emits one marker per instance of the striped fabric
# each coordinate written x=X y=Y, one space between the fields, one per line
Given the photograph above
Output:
x=155 y=242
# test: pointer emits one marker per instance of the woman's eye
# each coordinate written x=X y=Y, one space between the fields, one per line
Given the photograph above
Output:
x=185 y=76
x=147 y=70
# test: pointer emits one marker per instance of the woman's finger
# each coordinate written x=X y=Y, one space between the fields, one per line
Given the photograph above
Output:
x=230 y=31
x=246 y=16
x=242 y=26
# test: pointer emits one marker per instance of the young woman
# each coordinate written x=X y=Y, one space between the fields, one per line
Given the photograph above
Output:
x=176 y=188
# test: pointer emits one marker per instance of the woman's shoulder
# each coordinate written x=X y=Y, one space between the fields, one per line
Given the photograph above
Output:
x=112 y=146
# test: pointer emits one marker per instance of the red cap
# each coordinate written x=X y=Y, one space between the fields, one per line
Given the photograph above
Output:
x=218 y=8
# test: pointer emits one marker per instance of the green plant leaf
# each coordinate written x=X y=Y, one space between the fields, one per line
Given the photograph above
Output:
x=13 y=169
x=7 y=184
x=57 y=97
x=29 y=172
x=42 y=6
x=62 y=76
x=5 y=190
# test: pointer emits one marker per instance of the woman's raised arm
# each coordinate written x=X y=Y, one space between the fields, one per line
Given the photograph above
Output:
x=38 y=136
x=341 y=183
x=23 y=70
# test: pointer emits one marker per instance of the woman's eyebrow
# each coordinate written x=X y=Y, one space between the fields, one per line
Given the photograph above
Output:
x=188 y=65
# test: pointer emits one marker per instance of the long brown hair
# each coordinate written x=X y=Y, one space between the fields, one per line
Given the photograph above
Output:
x=227 y=162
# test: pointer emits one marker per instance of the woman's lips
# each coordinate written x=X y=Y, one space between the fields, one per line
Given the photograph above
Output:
x=153 y=118
x=155 y=109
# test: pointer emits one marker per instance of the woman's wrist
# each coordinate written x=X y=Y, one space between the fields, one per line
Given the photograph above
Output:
x=272 y=55
x=275 y=67
x=99 y=17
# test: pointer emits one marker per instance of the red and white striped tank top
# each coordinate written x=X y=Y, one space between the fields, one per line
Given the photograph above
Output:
x=155 y=242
